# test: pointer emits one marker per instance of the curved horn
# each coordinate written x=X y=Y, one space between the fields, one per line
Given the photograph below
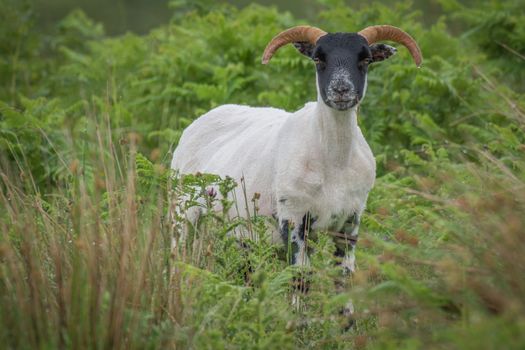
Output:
x=385 y=32
x=294 y=34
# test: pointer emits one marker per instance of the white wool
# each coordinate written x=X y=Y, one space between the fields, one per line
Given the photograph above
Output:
x=314 y=160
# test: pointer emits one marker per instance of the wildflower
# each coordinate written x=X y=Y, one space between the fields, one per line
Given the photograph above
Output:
x=211 y=192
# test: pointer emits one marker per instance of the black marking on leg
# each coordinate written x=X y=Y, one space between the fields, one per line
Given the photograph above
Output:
x=300 y=229
x=299 y=234
x=285 y=230
x=291 y=239
x=290 y=242
x=307 y=222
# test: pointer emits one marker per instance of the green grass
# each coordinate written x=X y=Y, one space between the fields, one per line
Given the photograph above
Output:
x=87 y=127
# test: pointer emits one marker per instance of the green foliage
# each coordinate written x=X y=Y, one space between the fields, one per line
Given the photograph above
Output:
x=498 y=29
x=87 y=126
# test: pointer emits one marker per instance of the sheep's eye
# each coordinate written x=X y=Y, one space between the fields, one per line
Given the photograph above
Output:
x=365 y=62
x=320 y=64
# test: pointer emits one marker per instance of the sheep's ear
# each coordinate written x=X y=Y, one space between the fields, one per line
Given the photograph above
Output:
x=304 y=47
x=381 y=52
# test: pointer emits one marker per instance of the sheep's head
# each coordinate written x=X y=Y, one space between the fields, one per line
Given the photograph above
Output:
x=342 y=59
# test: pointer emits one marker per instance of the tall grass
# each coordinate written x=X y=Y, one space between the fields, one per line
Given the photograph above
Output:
x=91 y=265
x=79 y=263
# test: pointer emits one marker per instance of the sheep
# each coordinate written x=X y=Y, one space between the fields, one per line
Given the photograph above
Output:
x=312 y=168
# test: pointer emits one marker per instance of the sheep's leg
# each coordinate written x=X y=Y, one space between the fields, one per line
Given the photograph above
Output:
x=294 y=236
x=295 y=239
x=346 y=252
x=348 y=264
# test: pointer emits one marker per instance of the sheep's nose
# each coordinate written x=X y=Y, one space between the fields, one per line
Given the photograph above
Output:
x=342 y=89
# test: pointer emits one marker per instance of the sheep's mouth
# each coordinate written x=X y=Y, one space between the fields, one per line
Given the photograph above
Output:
x=343 y=104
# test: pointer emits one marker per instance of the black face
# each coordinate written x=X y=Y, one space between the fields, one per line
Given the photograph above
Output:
x=342 y=61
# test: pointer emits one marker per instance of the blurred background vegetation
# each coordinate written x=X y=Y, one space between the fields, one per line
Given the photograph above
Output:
x=140 y=16
x=94 y=97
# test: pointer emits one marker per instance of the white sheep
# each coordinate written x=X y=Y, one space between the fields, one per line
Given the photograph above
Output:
x=313 y=163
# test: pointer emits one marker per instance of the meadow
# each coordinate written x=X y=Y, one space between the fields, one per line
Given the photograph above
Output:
x=88 y=123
